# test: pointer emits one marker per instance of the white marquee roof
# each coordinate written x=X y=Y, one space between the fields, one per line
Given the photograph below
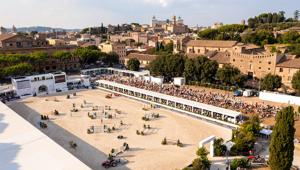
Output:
x=175 y=99
x=137 y=73
x=24 y=147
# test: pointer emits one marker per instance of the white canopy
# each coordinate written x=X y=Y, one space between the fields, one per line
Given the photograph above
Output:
x=266 y=132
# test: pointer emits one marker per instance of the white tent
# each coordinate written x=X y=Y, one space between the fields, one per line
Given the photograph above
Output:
x=266 y=132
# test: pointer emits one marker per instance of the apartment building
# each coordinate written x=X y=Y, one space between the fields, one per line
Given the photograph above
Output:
x=115 y=47
x=201 y=47
x=286 y=70
x=144 y=59
x=17 y=41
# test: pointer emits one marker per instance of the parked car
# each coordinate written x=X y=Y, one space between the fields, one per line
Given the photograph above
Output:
x=238 y=93
x=248 y=93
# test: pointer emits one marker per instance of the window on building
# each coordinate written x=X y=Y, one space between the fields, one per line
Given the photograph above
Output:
x=233 y=60
x=259 y=67
x=280 y=69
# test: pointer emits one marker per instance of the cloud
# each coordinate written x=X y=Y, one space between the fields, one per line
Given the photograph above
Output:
x=163 y=3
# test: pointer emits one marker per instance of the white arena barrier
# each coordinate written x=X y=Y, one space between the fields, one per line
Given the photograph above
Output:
x=280 y=98
x=211 y=146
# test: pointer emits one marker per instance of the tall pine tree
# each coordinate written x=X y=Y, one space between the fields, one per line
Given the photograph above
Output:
x=282 y=142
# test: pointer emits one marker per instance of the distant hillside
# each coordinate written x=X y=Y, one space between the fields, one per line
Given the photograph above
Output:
x=43 y=29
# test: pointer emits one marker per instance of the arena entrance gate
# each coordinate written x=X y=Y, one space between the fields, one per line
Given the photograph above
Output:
x=43 y=89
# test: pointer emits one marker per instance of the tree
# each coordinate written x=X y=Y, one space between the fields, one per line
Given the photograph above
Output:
x=209 y=34
x=63 y=56
x=239 y=163
x=290 y=37
x=252 y=125
x=281 y=17
x=282 y=140
x=162 y=49
x=133 y=64
x=294 y=49
x=228 y=75
x=260 y=37
x=87 y=55
x=244 y=137
x=110 y=58
x=219 y=148
x=251 y=22
x=200 y=69
x=168 y=66
x=271 y=82
x=39 y=58
x=20 y=69
x=296 y=15
x=202 y=152
x=189 y=70
x=296 y=82
x=202 y=162
x=226 y=32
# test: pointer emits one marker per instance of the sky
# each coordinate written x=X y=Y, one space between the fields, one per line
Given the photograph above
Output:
x=86 y=13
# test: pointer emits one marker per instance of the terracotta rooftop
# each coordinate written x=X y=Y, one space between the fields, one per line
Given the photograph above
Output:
x=144 y=57
x=290 y=63
x=193 y=55
x=212 y=43
x=221 y=58
x=6 y=36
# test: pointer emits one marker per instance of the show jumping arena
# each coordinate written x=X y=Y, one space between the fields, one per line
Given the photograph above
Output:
x=146 y=151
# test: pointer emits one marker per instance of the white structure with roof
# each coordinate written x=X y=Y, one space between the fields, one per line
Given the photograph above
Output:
x=109 y=70
x=200 y=110
x=40 y=84
x=179 y=81
x=24 y=147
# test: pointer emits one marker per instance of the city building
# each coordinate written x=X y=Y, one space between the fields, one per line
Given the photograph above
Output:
x=286 y=70
x=138 y=37
x=16 y=41
x=250 y=59
x=217 y=25
x=114 y=47
x=3 y=30
x=57 y=42
x=174 y=26
x=144 y=59
x=180 y=43
x=255 y=62
x=201 y=47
